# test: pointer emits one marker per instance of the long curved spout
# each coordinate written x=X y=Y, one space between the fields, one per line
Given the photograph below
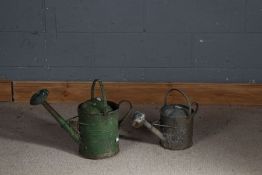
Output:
x=140 y=120
x=40 y=98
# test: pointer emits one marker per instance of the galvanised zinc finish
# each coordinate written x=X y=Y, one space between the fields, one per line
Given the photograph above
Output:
x=177 y=123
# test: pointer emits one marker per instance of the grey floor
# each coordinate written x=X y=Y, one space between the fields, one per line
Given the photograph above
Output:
x=227 y=141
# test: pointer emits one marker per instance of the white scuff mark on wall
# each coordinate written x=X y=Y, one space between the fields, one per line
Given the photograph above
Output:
x=123 y=75
x=196 y=60
x=3 y=77
x=252 y=81
x=45 y=43
x=21 y=67
x=142 y=76
x=227 y=78
x=201 y=41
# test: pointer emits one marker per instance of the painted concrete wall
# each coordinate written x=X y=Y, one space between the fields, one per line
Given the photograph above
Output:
x=131 y=40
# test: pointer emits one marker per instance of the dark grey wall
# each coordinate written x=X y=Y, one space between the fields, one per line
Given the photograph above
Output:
x=131 y=40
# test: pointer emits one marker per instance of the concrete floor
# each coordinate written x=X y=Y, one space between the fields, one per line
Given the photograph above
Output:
x=227 y=141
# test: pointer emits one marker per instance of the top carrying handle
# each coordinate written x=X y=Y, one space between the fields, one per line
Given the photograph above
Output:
x=102 y=91
x=186 y=97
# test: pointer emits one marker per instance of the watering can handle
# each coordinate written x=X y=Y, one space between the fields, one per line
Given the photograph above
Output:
x=196 y=107
x=186 y=97
x=128 y=112
x=102 y=91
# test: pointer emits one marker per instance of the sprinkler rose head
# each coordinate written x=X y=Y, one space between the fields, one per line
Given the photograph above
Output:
x=39 y=97
x=138 y=120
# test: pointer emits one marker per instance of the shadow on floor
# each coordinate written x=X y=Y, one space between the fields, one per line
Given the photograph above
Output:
x=211 y=120
x=20 y=123
x=35 y=125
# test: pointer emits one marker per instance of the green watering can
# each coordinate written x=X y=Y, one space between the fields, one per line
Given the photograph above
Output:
x=97 y=131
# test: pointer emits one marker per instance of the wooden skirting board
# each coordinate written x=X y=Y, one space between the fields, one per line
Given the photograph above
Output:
x=5 y=91
x=144 y=93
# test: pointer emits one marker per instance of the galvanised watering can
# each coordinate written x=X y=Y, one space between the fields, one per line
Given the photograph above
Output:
x=97 y=131
x=176 y=123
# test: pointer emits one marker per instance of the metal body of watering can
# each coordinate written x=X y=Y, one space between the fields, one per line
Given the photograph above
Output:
x=98 y=123
x=176 y=123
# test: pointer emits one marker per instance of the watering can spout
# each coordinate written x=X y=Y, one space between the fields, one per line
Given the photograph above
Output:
x=139 y=120
x=40 y=98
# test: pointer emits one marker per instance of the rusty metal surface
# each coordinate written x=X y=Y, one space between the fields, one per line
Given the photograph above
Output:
x=177 y=123
x=180 y=133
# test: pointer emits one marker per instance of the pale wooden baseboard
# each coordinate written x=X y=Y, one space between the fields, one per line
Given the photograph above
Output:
x=143 y=93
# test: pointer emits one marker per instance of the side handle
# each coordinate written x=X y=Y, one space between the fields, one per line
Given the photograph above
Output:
x=128 y=111
x=195 y=106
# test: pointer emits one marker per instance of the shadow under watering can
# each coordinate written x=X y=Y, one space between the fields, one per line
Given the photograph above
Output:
x=97 y=131
x=176 y=123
